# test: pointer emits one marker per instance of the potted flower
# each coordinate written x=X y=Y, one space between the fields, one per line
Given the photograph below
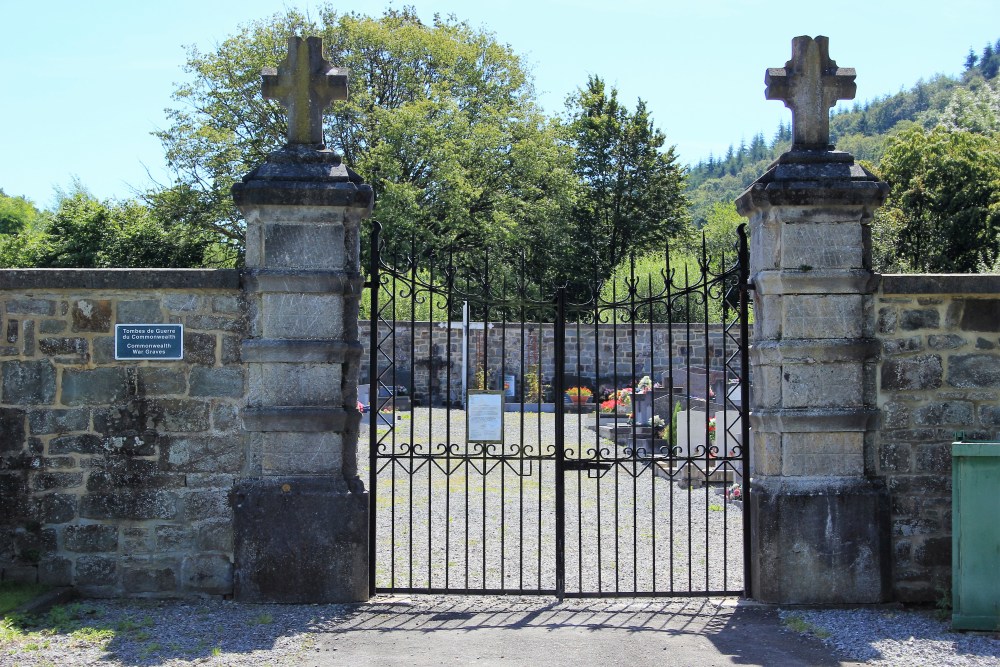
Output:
x=579 y=395
x=735 y=493
x=644 y=385
x=658 y=425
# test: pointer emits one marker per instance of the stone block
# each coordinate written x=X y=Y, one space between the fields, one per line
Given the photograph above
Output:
x=205 y=454
x=144 y=311
x=945 y=342
x=299 y=540
x=973 y=370
x=228 y=304
x=989 y=415
x=895 y=457
x=817 y=316
x=832 y=534
x=920 y=318
x=956 y=413
x=57 y=346
x=215 y=323
x=96 y=570
x=129 y=504
x=920 y=372
x=199 y=348
x=981 y=315
x=181 y=303
x=91 y=315
x=136 y=540
x=173 y=538
x=304 y=246
x=42 y=422
x=102 y=349
x=29 y=382
x=934 y=458
x=183 y=415
x=29 y=306
x=47 y=481
x=160 y=381
x=933 y=552
x=823 y=385
x=822 y=454
x=983 y=344
x=12 y=434
x=201 y=505
x=149 y=575
x=302 y=316
x=821 y=246
x=215 y=536
x=299 y=453
x=231 y=350
x=222 y=382
x=52 y=326
x=55 y=571
x=887 y=320
x=225 y=417
x=58 y=508
x=901 y=345
x=295 y=384
x=766 y=456
x=895 y=415
x=210 y=574
x=85 y=443
x=94 y=386
x=90 y=538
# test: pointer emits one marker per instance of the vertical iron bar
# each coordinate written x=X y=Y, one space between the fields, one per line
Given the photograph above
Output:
x=413 y=445
x=447 y=424
x=745 y=400
x=560 y=435
x=373 y=385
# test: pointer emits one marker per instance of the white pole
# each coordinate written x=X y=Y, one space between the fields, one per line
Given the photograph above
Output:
x=465 y=353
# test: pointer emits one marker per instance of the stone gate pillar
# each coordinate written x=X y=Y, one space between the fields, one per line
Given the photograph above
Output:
x=820 y=521
x=301 y=515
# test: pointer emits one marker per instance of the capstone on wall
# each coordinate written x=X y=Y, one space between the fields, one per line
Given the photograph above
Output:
x=114 y=475
x=939 y=375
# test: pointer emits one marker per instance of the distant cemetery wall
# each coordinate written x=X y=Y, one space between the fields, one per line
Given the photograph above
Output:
x=114 y=475
x=939 y=374
x=602 y=358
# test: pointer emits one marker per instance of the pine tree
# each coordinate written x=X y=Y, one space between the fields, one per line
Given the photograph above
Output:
x=971 y=60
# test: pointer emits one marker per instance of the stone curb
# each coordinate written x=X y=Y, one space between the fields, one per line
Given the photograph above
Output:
x=41 y=604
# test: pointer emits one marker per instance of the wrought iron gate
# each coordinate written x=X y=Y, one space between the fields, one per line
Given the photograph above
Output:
x=572 y=497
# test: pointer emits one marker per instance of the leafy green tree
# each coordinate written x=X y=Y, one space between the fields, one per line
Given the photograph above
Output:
x=441 y=121
x=17 y=214
x=945 y=198
x=632 y=201
x=86 y=233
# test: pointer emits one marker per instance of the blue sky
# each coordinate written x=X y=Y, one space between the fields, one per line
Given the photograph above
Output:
x=86 y=82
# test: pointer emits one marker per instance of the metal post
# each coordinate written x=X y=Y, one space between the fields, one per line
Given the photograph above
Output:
x=373 y=406
x=744 y=260
x=559 y=333
x=465 y=355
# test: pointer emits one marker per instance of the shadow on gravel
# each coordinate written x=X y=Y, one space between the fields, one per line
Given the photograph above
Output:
x=542 y=631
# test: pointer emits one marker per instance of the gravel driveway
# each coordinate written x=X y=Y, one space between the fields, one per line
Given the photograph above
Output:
x=485 y=524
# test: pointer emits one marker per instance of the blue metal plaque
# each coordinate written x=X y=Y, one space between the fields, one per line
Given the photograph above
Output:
x=149 y=341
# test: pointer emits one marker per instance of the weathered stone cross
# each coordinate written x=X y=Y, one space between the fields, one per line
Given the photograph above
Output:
x=810 y=84
x=305 y=84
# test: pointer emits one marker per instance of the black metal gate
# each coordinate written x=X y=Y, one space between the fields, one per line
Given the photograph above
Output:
x=613 y=465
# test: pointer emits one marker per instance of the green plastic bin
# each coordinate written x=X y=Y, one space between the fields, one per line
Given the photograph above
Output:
x=975 y=550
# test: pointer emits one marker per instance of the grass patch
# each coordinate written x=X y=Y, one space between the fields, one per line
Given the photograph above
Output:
x=13 y=595
x=798 y=624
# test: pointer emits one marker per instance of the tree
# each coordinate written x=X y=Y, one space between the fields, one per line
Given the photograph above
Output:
x=17 y=214
x=86 y=233
x=945 y=198
x=632 y=200
x=441 y=121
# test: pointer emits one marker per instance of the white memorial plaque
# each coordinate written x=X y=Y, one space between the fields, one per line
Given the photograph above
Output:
x=484 y=418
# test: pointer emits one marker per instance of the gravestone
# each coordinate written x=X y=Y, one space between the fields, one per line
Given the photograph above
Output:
x=301 y=512
x=820 y=522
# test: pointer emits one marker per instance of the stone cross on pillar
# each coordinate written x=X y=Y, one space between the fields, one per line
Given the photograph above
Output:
x=305 y=84
x=810 y=84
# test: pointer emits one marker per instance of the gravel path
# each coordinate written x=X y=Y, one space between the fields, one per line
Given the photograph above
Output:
x=487 y=525
x=894 y=637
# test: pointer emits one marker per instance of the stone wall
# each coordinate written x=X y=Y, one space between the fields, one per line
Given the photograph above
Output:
x=939 y=374
x=601 y=356
x=114 y=475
